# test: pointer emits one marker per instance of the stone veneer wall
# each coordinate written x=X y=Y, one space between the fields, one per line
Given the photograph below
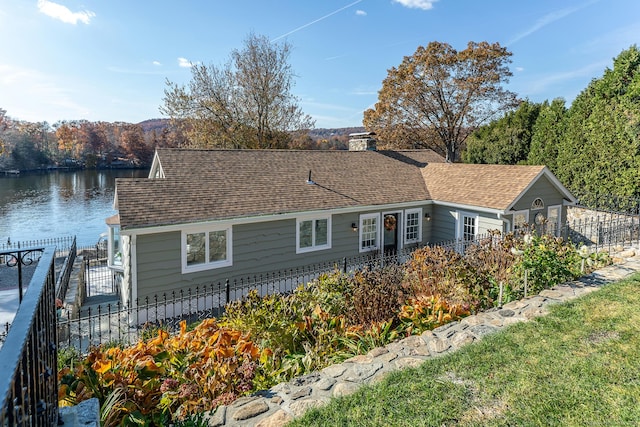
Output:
x=362 y=144
x=580 y=214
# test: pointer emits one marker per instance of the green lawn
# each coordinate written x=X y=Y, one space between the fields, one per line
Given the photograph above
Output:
x=577 y=366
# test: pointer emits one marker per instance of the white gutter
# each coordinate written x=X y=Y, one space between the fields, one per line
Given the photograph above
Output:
x=471 y=208
x=134 y=271
x=274 y=217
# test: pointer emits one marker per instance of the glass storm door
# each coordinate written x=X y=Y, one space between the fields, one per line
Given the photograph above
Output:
x=390 y=232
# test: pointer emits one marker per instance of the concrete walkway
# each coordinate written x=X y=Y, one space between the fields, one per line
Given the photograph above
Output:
x=286 y=401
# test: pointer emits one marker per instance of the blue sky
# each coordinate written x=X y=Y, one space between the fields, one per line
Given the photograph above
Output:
x=107 y=60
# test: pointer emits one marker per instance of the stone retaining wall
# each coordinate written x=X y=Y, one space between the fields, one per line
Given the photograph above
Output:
x=580 y=214
x=286 y=401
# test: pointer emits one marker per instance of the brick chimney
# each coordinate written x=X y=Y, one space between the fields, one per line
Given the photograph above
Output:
x=362 y=141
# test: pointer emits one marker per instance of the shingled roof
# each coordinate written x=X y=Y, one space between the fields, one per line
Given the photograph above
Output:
x=209 y=185
x=487 y=186
x=205 y=185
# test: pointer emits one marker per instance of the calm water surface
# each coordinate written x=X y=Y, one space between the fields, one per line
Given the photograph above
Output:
x=58 y=204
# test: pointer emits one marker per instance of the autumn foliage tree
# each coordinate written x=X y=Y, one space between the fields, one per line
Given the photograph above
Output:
x=133 y=142
x=245 y=103
x=439 y=95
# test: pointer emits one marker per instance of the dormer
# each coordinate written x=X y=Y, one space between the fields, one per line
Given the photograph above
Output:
x=156 y=171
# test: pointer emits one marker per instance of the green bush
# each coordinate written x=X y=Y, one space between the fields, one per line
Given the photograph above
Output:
x=548 y=261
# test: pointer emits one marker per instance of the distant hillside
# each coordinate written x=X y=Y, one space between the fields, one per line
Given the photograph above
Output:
x=154 y=124
x=320 y=134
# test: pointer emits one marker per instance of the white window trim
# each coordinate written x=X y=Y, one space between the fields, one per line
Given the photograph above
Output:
x=156 y=171
x=314 y=247
x=537 y=204
x=460 y=223
x=558 y=223
x=406 y=216
x=111 y=256
x=206 y=265
x=513 y=217
x=360 y=228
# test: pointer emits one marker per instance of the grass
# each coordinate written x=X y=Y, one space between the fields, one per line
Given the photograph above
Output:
x=577 y=366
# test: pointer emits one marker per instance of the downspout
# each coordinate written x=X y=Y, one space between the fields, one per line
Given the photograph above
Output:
x=134 y=272
x=505 y=221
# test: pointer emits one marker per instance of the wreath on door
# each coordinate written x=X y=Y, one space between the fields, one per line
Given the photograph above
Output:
x=390 y=222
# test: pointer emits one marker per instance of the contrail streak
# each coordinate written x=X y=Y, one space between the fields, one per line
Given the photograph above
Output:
x=316 y=21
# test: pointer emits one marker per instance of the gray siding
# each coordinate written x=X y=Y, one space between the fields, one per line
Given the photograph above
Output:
x=258 y=248
x=544 y=189
x=445 y=223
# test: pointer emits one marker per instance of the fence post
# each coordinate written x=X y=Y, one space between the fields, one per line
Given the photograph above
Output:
x=344 y=267
x=227 y=291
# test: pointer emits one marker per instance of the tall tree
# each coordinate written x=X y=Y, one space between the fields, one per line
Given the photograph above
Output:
x=437 y=96
x=4 y=124
x=504 y=141
x=548 y=134
x=133 y=142
x=601 y=149
x=67 y=136
x=245 y=103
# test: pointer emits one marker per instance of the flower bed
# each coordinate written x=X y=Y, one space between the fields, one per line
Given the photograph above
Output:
x=261 y=341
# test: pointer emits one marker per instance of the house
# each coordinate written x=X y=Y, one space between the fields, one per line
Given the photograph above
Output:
x=203 y=216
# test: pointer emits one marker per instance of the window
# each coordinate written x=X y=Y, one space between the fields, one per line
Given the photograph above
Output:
x=554 y=218
x=413 y=226
x=114 y=248
x=203 y=250
x=369 y=232
x=469 y=228
x=520 y=220
x=313 y=234
x=537 y=204
x=466 y=230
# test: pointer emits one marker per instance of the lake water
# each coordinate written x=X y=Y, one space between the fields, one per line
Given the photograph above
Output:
x=58 y=204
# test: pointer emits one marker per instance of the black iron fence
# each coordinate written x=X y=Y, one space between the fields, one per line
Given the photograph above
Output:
x=610 y=234
x=99 y=279
x=62 y=282
x=4 y=330
x=122 y=324
x=65 y=254
x=119 y=323
x=28 y=357
x=610 y=203
x=62 y=244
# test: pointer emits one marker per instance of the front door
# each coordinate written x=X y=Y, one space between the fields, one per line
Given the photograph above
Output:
x=390 y=227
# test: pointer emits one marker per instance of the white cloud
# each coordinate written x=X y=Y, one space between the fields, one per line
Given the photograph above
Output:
x=184 y=62
x=541 y=84
x=417 y=4
x=62 y=13
x=156 y=63
x=544 y=21
x=361 y=12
